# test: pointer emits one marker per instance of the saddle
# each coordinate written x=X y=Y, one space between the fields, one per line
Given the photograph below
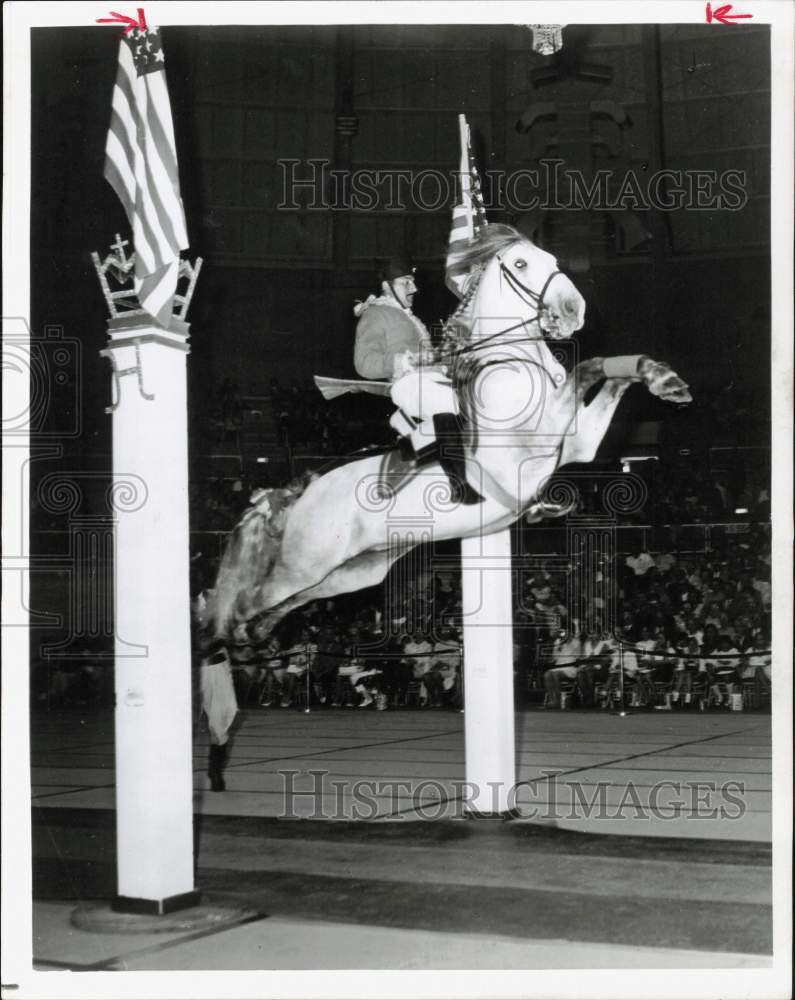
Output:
x=445 y=426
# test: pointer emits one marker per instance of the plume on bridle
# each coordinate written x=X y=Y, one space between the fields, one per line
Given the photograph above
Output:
x=491 y=240
x=473 y=257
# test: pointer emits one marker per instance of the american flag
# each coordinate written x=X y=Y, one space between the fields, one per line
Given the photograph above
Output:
x=469 y=214
x=141 y=167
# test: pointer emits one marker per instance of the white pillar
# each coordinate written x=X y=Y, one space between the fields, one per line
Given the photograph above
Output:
x=154 y=786
x=486 y=571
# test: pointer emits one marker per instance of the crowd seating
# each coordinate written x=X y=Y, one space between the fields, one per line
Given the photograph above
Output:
x=691 y=598
x=693 y=630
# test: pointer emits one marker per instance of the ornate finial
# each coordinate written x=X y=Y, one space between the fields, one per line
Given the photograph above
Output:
x=119 y=246
x=547 y=38
x=121 y=268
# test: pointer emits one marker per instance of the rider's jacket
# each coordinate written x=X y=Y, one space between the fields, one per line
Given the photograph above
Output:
x=385 y=331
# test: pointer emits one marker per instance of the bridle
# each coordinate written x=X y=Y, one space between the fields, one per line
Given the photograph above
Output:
x=526 y=294
x=528 y=297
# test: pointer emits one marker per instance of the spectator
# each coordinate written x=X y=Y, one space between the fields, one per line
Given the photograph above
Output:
x=640 y=563
x=646 y=645
x=299 y=660
x=397 y=671
x=664 y=561
x=419 y=650
x=761 y=584
x=566 y=655
x=349 y=666
x=685 y=670
x=327 y=661
x=623 y=668
x=594 y=665
x=724 y=672
x=447 y=667
x=271 y=671
x=758 y=667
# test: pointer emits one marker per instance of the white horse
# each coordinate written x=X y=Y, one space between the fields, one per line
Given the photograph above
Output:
x=524 y=417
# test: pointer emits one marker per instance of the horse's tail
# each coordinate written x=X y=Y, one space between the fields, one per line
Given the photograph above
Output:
x=249 y=556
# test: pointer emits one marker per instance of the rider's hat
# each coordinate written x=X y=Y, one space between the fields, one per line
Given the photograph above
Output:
x=396 y=267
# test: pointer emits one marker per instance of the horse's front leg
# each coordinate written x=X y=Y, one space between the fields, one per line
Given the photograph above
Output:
x=590 y=423
x=585 y=375
x=660 y=379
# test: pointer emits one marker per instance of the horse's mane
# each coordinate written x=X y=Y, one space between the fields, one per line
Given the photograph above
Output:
x=471 y=259
x=490 y=240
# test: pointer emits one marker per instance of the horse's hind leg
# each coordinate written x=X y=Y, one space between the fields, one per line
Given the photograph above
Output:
x=365 y=570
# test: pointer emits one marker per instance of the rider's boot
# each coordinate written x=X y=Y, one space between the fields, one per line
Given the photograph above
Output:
x=451 y=458
x=215 y=767
x=424 y=446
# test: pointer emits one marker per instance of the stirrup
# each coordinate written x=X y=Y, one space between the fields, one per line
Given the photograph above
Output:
x=426 y=455
x=460 y=490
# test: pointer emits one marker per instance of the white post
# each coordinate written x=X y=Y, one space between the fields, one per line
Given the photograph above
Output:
x=486 y=572
x=154 y=786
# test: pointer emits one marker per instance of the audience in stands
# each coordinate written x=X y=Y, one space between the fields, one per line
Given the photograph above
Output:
x=691 y=626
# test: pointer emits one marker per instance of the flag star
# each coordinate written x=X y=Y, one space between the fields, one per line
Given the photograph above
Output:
x=159 y=57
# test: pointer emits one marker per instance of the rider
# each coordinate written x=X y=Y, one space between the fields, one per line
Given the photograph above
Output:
x=392 y=343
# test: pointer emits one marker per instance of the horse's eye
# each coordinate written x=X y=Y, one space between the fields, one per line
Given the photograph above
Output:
x=520 y=264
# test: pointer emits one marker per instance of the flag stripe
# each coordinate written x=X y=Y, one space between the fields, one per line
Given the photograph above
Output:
x=155 y=291
x=157 y=184
x=118 y=149
x=141 y=167
x=115 y=176
x=146 y=209
x=469 y=213
x=163 y=159
x=143 y=237
x=149 y=255
x=161 y=127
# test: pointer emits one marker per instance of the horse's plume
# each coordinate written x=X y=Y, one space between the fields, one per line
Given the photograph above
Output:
x=250 y=553
x=478 y=251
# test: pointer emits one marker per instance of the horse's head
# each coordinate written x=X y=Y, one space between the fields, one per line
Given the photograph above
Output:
x=519 y=288
x=530 y=276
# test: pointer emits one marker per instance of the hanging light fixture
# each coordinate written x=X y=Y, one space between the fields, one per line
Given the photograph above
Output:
x=547 y=38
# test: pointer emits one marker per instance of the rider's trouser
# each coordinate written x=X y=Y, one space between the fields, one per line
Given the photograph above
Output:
x=428 y=415
x=420 y=395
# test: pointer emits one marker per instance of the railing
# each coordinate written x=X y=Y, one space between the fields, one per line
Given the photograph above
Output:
x=551 y=539
x=547 y=539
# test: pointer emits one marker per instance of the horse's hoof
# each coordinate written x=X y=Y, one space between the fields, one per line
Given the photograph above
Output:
x=663 y=382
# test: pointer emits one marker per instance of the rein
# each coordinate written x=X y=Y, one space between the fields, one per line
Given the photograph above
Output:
x=526 y=294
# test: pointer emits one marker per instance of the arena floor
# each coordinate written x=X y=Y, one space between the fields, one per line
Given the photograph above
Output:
x=660 y=820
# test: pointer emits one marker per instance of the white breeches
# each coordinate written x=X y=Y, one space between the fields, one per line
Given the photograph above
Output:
x=423 y=393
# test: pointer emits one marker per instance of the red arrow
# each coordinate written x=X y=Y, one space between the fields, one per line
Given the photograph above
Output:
x=722 y=15
x=131 y=22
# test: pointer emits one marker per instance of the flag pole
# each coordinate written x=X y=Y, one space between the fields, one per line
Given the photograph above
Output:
x=486 y=586
x=147 y=350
